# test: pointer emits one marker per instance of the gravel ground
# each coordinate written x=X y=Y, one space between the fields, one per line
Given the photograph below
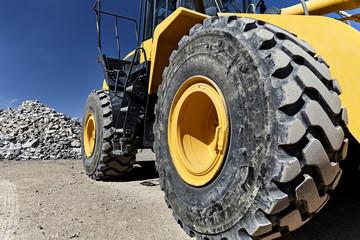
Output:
x=54 y=199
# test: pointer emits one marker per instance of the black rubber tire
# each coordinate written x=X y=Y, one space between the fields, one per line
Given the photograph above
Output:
x=286 y=131
x=102 y=164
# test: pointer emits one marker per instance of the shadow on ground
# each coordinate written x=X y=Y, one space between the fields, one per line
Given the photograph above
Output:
x=340 y=218
x=142 y=171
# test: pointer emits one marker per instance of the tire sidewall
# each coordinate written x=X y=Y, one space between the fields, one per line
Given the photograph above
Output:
x=226 y=199
x=92 y=106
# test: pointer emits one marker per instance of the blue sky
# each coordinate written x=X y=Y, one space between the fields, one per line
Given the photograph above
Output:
x=48 y=50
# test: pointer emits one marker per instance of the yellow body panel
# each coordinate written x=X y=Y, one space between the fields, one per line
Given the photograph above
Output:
x=129 y=55
x=105 y=86
x=166 y=37
x=147 y=46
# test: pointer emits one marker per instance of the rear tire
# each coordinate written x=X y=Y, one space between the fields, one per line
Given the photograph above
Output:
x=285 y=136
x=99 y=162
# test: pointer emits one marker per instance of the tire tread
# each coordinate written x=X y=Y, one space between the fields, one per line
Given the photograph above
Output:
x=313 y=122
x=110 y=166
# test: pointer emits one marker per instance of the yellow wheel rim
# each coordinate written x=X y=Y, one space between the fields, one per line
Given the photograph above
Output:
x=89 y=134
x=198 y=130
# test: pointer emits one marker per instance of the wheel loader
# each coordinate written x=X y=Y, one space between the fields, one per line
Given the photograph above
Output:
x=240 y=101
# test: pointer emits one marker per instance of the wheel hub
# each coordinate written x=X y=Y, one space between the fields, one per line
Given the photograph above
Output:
x=89 y=134
x=198 y=130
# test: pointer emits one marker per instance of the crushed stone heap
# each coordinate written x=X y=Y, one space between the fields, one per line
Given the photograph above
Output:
x=35 y=131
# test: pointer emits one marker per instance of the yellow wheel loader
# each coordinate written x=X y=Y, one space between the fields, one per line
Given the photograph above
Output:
x=241 y=105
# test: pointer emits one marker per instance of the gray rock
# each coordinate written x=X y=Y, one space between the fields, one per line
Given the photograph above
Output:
x=75 y=144
x=11 y=138
x=31 y=144
x=24 y=157
x=50 y=132
x=16 y=146
x=35 y=131
x=56 y=138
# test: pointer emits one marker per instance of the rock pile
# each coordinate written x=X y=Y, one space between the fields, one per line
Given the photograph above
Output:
x=35 y=131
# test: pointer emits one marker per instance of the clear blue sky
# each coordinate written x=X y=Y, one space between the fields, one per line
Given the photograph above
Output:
x=48 y=50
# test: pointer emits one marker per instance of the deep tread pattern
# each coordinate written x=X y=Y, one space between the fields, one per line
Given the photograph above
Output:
x=110 y=166
x=318 y=108
x=336 y=86
x=322 y=60
x=317 y=117
x=308 y=80
x=341 y=154
x=243 y=236
x=319 y=69
x=271 y=236
x=295 y=129
x=291 y=221
x=344 y=117
x=290 y=168
x=312 y=141
x=278 y=200
x=315 y=155
x=308 y=193
x=333 y=185
x=262 y=225
x=283 y=34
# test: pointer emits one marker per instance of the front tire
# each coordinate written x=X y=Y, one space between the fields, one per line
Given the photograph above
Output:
x=285 y=131
x=97 y=134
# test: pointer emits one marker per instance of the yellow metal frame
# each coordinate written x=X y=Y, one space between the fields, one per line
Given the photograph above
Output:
x=198 y=130
x=322 y=7
x=354 y=17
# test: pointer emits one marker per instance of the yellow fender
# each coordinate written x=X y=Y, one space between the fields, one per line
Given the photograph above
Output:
x=166 y=37
x=335 y=41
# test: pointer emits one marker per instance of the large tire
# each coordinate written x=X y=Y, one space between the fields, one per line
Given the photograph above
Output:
x=99 y=162
x=285 y=131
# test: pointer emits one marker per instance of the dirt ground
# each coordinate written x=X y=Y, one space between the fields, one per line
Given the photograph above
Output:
x=56 y=200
